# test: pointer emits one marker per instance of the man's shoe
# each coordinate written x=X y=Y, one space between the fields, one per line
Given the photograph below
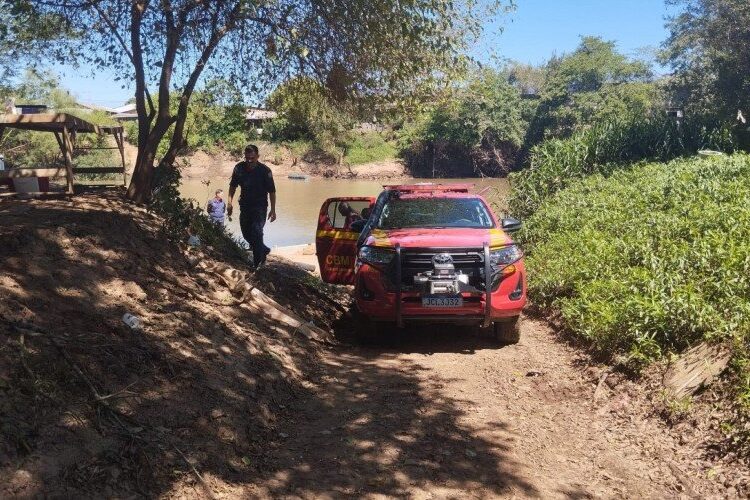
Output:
x=263 y=259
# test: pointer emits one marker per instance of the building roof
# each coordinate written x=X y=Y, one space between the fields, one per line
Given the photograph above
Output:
x=260 y=114
x=126 y=108
x=94 y=107
x=54 y=122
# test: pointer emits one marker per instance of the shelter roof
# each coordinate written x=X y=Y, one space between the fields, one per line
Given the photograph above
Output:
x=55 y=122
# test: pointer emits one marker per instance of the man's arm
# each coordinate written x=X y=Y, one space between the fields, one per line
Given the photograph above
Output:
x=272 y=213
x=232 y=189
x=271 y=188
x=233 y=183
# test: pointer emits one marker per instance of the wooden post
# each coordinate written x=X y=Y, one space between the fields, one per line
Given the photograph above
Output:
x=119 y=140
x=68 y=155
x=60 y=143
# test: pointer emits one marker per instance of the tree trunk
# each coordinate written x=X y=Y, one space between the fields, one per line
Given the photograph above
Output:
x=139 y=190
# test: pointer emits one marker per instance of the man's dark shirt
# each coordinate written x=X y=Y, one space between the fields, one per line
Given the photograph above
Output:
x=255 y=184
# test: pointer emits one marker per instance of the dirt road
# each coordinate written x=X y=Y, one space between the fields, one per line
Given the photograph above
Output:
x=438 y=416
x=216 y=398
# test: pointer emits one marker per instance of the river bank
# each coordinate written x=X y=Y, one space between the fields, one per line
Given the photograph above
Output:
x=283 y=163
x=220 y=395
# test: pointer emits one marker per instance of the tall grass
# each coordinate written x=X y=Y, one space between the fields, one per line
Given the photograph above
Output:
x=607 y=147
x=369 y=147
x=650 y=260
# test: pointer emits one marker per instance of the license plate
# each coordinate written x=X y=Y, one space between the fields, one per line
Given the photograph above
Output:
x=442 y=301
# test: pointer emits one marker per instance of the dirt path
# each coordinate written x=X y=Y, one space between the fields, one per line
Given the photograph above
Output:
x=211 y=388
x=435 y=416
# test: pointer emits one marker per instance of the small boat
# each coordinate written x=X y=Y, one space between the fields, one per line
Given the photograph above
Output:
x=299 y=177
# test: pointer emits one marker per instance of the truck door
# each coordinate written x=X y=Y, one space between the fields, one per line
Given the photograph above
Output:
x=335 y=241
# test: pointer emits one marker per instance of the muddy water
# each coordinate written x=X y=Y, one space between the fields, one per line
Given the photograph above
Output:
x=299 y=201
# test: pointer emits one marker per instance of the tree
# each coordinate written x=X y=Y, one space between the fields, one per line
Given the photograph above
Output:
x=307 y=111
x=358 y=46
x=594 y=82
x=475 y=128
x=709 y=49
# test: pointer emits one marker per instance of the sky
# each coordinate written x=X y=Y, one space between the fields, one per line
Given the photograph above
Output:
x=536 y=30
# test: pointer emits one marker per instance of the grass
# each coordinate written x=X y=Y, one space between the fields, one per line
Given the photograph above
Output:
x=650 y=260
x=608 y=147
x=369 y=147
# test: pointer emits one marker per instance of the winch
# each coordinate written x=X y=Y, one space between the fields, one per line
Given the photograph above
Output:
x=443 y=278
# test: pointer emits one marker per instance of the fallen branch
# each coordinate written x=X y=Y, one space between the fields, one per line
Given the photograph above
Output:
x=115 y=413
x=250 y=296
x=600 y=385
x=195 y=471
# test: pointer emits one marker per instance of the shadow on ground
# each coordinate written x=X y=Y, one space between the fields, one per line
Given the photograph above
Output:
x=209 y=396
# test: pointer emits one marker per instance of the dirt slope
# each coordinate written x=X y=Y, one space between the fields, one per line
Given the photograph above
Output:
x=441 y=415
x=215 y=400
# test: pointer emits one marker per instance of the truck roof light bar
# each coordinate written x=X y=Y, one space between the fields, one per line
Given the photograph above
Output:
x=429 y=187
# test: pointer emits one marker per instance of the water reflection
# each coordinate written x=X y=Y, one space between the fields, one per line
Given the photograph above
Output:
x=299 y=201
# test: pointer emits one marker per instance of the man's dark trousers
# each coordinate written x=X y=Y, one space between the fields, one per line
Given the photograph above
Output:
x=252 y=220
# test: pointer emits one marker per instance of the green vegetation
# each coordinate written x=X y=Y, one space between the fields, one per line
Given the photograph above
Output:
x=649 y=260
x=215 y=122
x=40 y=149
x=594 y=83
x=487 y=122
x=477 y=127
x=369 y=147
x=607 y=147
x=709 y=51
x=388 y=51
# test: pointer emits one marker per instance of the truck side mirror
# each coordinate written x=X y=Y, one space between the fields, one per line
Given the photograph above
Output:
x=510 y=225
x=358 y=225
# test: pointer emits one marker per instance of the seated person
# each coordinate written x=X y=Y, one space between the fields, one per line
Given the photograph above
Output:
x=351 y=215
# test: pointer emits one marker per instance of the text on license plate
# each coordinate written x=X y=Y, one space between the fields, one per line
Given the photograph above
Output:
x=442 y=301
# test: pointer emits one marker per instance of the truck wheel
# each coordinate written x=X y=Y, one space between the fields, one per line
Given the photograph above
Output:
x=508 y=331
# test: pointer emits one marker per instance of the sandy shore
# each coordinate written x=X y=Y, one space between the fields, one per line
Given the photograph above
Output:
x=200 y=165
x=301 y=254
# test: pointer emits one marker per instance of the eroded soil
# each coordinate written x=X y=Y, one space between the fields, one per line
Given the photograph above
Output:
x=214 y=399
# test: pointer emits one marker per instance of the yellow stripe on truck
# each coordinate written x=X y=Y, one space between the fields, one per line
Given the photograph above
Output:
x=380 y=238
x=498 y=238
x=337 y=235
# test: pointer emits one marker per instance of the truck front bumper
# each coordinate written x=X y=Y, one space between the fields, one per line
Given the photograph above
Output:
x=376 y=301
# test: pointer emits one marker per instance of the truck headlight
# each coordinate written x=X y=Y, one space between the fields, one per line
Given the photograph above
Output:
x=504 y=256
x=376 y=256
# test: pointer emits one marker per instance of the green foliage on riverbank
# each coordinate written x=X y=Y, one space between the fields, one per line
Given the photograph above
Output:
x=649 y=260
x=607 y=147
x=369 y=147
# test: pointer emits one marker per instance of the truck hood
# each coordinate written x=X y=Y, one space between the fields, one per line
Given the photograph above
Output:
x=439 y=238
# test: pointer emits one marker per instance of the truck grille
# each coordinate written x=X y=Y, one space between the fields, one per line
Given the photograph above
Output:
x=414 y=261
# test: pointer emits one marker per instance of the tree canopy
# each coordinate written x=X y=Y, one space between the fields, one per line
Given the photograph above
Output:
x=709 y=49
x=594 y=82
x=386 y=49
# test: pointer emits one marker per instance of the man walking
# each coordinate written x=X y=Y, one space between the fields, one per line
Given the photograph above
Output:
x=257 y=187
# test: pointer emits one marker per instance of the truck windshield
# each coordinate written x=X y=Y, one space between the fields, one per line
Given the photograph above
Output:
x=434 y=213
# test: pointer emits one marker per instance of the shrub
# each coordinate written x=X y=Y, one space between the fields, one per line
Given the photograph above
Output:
x=369 y=147
x=649 y=260
x=605 y=148
x=184 y=216
x=476 y=128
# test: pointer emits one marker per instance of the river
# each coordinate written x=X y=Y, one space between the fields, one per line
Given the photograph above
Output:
x=299 y=201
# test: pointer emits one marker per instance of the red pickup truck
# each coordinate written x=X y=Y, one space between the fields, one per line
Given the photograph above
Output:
x=424 y=253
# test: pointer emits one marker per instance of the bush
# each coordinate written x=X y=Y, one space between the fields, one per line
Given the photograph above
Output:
x=183 y=217
x=650 y=260
x=476 y=128
x=605 y=148
x=369 y=147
